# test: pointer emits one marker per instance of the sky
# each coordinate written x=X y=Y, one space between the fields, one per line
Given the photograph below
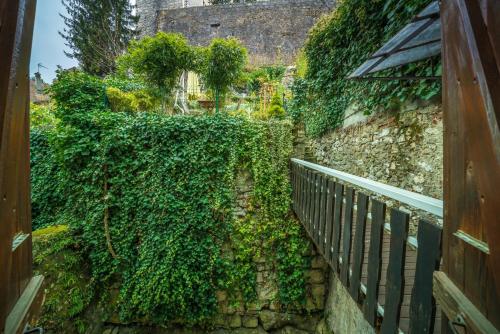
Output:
x=48 y=46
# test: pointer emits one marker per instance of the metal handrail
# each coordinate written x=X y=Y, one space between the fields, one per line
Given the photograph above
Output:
x=425 y=203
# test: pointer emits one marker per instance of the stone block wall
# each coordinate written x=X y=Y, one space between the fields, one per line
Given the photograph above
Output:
x=404 y=150
x=273 y=31
x=266 y=314
x=148 y=13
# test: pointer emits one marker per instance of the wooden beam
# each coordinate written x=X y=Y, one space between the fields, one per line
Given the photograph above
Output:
x=456 y=305
x=26 y=308
x=423 y=305
x=347 y=237
x=395 y=272
x=337 y=225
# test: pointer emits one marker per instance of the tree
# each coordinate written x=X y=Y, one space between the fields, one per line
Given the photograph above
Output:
x=276 y=108
x=225 y=60
x=97 y=31
x=159 y=61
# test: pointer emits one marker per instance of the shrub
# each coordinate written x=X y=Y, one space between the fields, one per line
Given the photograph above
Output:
x=42 y=116
x=266 y=74
x=276 y=109
x=120 y=101
x=76 y=94
x=138 y=100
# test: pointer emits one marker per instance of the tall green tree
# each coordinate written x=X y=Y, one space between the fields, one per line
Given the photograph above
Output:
x=225 y=60
x=97 y=31
x=159 y=61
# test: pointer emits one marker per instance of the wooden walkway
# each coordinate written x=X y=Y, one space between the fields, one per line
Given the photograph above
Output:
x=381 y=271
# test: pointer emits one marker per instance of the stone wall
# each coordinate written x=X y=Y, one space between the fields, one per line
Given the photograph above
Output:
x=148 y=13
x=404 y=150
x=273 y=31
x=266 y=314
x=342 y=314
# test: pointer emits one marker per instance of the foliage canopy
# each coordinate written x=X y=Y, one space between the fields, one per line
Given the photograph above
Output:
x=225 y=60
x=97 y=31
x=159 y=60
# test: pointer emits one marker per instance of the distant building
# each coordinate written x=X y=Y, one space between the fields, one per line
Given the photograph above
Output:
x=38 y=88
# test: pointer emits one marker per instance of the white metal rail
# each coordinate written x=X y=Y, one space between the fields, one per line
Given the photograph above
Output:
x=425 y=203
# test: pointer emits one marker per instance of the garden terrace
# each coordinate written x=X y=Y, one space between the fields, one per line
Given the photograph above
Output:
x=169 y=217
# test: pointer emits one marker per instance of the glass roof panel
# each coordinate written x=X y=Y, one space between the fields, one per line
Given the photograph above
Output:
x=432 y=9
x=409 y=56
x=431 y=34
x=405 y=34
x=420 y=39
x=367 y=65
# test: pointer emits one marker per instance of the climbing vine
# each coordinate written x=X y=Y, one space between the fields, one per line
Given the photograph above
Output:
x=150 y=199
x=337 y=45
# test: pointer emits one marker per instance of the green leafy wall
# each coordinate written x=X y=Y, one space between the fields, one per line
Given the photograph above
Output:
x=150 y=198
x=341 y=42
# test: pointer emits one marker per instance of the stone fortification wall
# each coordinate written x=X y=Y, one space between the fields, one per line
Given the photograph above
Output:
x=404 y=150
x=273 y=31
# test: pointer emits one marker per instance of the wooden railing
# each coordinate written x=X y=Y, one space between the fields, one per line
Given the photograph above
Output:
x=388 y=273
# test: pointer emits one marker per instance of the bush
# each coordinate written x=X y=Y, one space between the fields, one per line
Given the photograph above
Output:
x=337 y=45
x=76 y=93
x=151 y=199
x=276 y=109
x=266 y=74
x=121 y=101
x=42 y=116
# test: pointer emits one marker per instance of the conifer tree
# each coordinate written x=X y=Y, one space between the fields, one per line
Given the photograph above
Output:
x=97 y=31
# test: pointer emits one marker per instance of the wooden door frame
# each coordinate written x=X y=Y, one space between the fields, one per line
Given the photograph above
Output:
x=20 y=292
x=469 y=285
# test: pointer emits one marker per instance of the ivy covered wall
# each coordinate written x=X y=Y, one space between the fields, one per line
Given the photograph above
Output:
x=337 y=45
x=150 y=202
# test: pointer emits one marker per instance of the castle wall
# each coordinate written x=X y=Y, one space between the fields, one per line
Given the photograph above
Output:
x=272 y=31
